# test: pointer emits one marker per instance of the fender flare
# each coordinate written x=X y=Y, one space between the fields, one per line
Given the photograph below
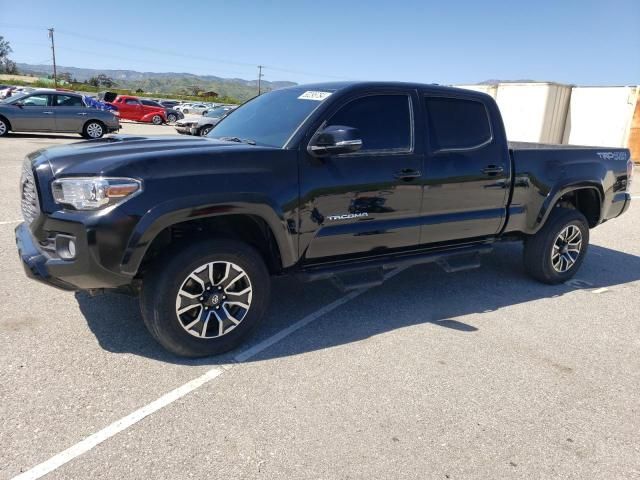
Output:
x=147 y=117
x=558 y=192
x=199 y=207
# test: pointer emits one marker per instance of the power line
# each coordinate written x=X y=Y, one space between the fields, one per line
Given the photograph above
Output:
x=165 y=52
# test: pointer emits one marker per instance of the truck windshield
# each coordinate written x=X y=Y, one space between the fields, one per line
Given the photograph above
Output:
x=270 y=119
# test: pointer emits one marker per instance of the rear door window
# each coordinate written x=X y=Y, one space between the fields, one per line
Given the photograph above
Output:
x=68 y=101
x=457 y=123
x=384 y=121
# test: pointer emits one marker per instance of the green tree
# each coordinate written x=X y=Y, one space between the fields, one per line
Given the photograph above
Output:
x=6 y=65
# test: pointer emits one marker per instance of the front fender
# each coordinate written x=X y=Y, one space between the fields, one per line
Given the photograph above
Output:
x=148 y=116
x=202 y=206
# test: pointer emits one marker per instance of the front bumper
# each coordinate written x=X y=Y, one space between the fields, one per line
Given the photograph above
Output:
x=187 y=129
x=34 y=260
x=83 y=272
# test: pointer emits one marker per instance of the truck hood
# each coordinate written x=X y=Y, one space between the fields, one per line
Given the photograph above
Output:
x=98 y=157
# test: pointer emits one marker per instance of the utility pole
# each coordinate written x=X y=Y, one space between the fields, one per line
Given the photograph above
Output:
x=260 y=67
x=53 y=52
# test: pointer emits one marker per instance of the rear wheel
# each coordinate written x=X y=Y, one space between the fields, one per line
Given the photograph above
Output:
x=186 y=110
x=156 y=120
x=205 y=130
x=171 y=118
x=206 y=298
x=93 y=129
x=555 y=253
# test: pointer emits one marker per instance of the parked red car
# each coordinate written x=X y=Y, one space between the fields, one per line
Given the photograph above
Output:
x=131 y=108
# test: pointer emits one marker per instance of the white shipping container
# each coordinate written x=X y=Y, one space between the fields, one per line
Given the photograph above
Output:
x=600 y=116
x=491 y=90
x=534 y=112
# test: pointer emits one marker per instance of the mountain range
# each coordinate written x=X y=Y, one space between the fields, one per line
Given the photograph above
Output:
x=163 y=82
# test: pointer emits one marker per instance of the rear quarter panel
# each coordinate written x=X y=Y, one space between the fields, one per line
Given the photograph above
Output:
x=543 y=173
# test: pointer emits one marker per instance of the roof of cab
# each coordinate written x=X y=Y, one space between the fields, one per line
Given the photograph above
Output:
x=357 y=85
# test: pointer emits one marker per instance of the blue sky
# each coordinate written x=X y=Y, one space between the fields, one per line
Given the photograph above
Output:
x=581 y=42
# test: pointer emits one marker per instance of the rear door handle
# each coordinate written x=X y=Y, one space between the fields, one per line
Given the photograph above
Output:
x=492 y=169
x=81 y=113
x=407 y=174
x=48 y=113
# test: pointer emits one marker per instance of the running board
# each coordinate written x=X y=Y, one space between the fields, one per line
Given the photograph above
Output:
x=358 y=274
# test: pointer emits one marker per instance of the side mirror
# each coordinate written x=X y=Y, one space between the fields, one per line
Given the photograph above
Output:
x=18 y=104
x=334 y=140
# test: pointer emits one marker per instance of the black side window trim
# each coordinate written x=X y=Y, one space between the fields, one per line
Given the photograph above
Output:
x=426 y=96
x=386 y=151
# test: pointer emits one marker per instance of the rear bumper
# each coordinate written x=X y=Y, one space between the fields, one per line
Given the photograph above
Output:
x=620 y=204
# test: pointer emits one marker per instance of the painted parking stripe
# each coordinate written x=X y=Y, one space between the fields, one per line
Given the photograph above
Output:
x=10 y=222
x=118 y=426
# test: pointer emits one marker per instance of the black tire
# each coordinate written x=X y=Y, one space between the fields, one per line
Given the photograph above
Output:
x=539 y=248
x=205 y=130
x=172 y=118
x=186 y=110
x=93 y=129
x=4 y=127
x=165 y=278
x=156 y=120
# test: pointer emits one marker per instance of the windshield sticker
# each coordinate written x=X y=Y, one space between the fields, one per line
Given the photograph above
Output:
x=312 y=95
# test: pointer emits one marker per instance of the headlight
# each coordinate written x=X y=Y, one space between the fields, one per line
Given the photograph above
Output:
x=94 y=193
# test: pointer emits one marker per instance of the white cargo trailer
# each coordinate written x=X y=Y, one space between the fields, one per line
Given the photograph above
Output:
x=600 y=116
x=491 y=90
x=534 y=112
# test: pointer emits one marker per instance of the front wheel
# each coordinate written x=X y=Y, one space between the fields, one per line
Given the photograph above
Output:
x=206 y=298
x=205 y=130
x=554 y=254
x=172 y=118
x=4 y=127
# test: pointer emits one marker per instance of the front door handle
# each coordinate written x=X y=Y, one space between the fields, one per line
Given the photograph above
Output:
x=48 y=113
x=407 y=174
x=82 y=113
x=492 y=169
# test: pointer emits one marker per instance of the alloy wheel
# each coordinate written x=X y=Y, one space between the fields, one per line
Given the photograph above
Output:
x=213 y=299
x=566 y=249
x=94 y=130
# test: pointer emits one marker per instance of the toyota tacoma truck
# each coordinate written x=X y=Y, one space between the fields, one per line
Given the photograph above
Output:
x=327 y=181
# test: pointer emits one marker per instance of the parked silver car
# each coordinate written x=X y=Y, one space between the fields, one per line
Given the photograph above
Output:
x=49 y=110
x=204 y=124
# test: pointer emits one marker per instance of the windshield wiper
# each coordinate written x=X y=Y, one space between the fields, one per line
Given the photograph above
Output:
x=239 y=140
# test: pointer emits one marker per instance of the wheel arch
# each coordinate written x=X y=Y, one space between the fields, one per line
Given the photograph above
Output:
x=257 y=224
x=586 y=197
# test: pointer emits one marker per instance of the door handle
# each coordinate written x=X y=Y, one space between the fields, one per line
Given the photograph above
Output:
x=407 y=174
x=48 y=113
x=81 y=113
x=492 y=169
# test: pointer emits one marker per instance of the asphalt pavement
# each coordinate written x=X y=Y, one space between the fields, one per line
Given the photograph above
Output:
x=478 y=374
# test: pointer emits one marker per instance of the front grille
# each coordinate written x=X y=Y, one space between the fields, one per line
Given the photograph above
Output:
x=28 y=193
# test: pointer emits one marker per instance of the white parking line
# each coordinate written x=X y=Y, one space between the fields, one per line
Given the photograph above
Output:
x=10 y=222
x=636 y=197
x=118 y=426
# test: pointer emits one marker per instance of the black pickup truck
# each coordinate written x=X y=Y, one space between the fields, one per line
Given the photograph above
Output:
x=333 y=180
